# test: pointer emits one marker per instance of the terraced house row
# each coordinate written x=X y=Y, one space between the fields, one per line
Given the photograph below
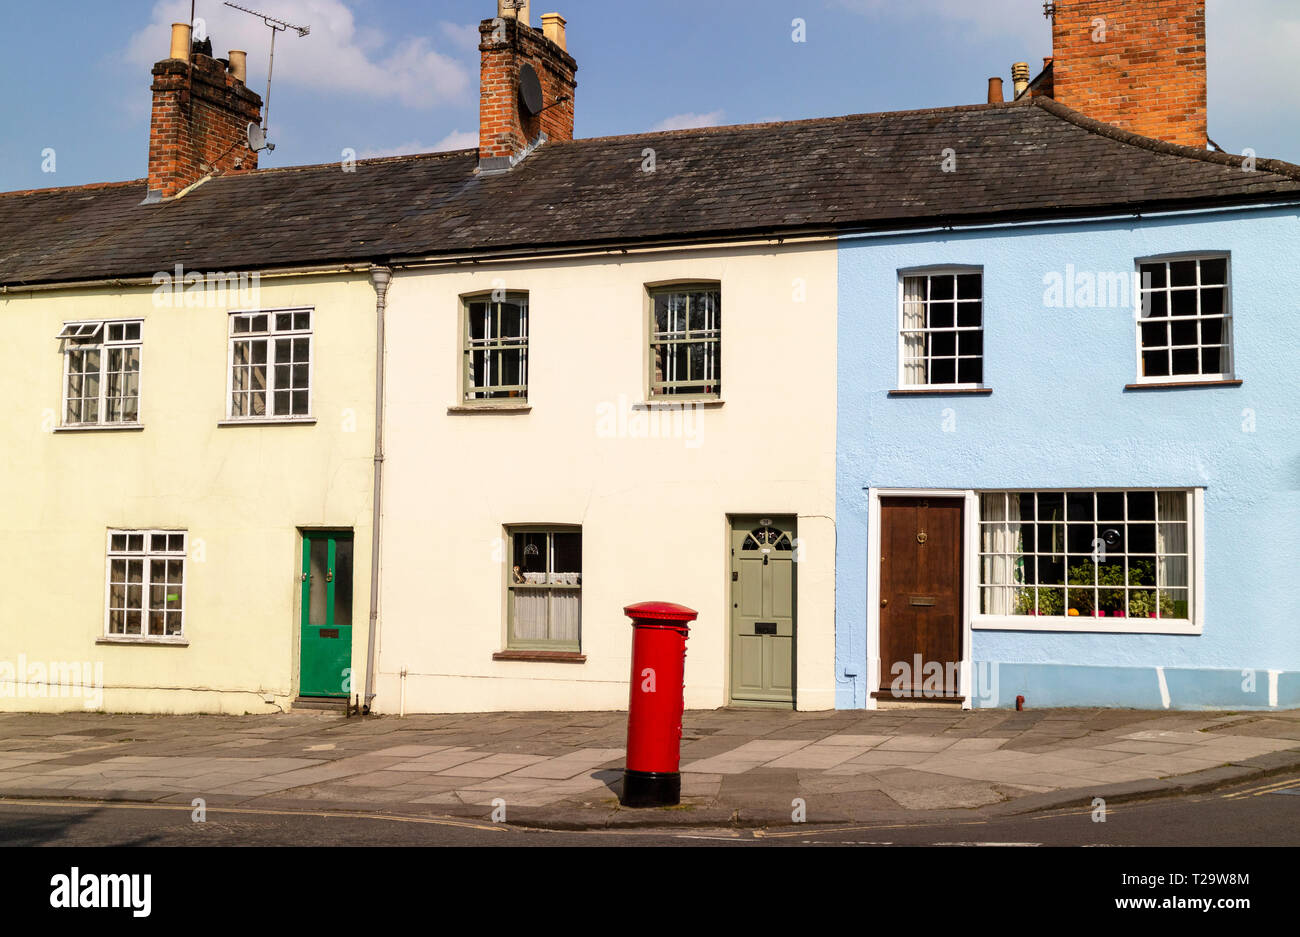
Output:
x=964 y=404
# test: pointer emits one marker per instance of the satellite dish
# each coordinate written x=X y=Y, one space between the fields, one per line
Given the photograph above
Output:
x=530 y=90
x=257 y=139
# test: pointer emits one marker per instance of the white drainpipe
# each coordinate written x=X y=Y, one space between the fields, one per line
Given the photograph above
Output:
x=380 y=277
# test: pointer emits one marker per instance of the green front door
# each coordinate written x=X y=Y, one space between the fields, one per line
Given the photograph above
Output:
x=326 y=614
x=762 y=611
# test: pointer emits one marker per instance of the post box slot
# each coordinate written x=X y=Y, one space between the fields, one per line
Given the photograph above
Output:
x=329 y=632
x=764 y=627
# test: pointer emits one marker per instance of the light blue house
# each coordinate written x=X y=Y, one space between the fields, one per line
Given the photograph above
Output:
x=1069 y=460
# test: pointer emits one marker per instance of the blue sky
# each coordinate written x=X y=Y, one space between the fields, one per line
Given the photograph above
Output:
x=387 y=76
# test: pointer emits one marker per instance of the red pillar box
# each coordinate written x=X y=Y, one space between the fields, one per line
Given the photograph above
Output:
x=654 y=711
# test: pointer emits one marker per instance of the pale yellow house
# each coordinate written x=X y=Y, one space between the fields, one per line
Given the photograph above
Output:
x=153 y=533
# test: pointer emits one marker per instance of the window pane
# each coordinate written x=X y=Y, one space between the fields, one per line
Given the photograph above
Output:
x=530 y=557
x=568 y=554
x=343 y=582
x=943 y=315
x=1155 y=334
x=969 y=285
x=943 y=371
x=1182 y=273
x=1184 y=332
x=1155 y=305
x=512 y=320
x=969 y=315
x=1155 y=363
x=1183 y=302
x=1214 y=271
x=1153 y=275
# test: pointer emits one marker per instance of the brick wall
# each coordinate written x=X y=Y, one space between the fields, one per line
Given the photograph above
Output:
x=504 y=130
x=1144 y=73
x=200 y=117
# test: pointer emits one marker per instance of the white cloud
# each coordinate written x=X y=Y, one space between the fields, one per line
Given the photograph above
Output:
x=456 y=140
x=690 y=120
x=339 y=56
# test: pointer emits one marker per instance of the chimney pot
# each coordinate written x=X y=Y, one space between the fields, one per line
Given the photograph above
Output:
x=553 y=28
x=180 y=42
x=995 y=91
x=1020 y=77
x=514 y=9
x=239 y=65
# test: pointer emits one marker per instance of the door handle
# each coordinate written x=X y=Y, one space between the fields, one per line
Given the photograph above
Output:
x=329 y=575
x=884 y=602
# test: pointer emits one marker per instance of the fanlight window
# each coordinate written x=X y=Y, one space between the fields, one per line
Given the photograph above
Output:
x=767 y=539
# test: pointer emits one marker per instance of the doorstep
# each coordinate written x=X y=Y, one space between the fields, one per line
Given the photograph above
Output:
x=337 y=704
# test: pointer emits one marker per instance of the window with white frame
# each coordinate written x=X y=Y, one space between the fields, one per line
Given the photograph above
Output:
x=686 y=341
x=496 y=347
x=270 y=364
x=544 y=589
x=1186 y=319
x=1086 y=554
x=101 y=373
x=942 y=334
x=146 y=584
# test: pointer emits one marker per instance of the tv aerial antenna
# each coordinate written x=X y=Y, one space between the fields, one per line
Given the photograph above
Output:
x=256 y=134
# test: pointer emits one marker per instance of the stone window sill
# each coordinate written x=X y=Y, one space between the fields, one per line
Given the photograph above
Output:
x=1174 y=385
x=941 y=392
x=101 y=428
x=490 y=408
x=560 y=657
x=151 y=642
x=681 y=403
x=283 y=421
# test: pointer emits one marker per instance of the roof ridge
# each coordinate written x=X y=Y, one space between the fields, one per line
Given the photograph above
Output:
x=721 y=128
x=1103 y=129
x=398 y=158
x=75 y=188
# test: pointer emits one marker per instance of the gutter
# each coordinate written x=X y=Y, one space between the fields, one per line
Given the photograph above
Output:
x=806 y=236
x=381 y=277
x=129 y=282
x=1043 y=222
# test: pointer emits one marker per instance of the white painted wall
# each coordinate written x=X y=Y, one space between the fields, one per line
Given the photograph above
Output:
x=654 y=511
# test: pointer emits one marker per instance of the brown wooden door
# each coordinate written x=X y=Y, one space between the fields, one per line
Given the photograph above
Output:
x=920 y=596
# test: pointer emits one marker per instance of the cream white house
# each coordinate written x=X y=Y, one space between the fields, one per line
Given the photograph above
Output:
x=521 y=521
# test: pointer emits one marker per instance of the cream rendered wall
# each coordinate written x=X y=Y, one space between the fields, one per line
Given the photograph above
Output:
x=654 y=512
x=241 y=492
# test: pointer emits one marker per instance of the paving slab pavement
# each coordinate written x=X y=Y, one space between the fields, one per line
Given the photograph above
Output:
x=564 y=770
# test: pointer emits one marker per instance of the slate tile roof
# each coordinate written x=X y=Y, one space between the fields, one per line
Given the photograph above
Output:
x=1028 y=159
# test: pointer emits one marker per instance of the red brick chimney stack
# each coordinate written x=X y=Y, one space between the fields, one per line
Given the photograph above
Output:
x=508 y=43
x=201 y=113
x=1137 y=64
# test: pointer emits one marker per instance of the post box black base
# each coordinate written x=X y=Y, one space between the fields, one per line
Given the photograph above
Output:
x=651 y=789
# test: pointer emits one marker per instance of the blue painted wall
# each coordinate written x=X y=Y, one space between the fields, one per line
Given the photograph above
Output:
x=1059 y=417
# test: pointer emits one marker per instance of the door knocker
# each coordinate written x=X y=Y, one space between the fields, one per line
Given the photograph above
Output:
x=922 y=536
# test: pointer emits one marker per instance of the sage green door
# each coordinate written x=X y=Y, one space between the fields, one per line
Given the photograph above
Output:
x=326 y=661
x=762 y=611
